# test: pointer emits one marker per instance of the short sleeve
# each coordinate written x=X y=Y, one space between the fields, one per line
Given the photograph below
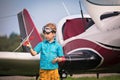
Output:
x=60 y=51
x=38 y=48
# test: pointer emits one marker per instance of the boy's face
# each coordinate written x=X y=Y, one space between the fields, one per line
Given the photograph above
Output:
x=49 y=36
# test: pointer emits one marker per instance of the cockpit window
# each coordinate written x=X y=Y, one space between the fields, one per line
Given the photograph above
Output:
x=105 y=2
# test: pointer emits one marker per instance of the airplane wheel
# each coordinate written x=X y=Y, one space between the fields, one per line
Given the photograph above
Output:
x=63 y=74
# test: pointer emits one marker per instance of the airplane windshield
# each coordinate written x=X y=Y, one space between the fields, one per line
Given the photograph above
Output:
x=106 y=2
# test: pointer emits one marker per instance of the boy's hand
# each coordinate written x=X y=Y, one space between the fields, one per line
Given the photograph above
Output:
x=57 y=60
x=27 y=44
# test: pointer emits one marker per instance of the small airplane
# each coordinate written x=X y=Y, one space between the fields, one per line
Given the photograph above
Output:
x=89 y=42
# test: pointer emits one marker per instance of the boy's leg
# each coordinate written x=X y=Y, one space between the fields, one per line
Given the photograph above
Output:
x=43 y=75
x=49 y=75
x=54 y=74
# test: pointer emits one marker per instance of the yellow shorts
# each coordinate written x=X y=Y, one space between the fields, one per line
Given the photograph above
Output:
x=49 y=75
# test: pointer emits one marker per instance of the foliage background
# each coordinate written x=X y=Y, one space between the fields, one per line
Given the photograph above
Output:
x=10 y=43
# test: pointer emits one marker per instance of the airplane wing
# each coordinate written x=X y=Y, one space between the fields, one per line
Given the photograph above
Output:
x=18 y=63
x=28 y=30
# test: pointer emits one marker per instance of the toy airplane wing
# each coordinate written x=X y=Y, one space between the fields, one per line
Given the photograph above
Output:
x=28 y=30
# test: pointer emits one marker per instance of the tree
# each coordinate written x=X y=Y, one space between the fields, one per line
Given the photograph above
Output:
x=11 y=43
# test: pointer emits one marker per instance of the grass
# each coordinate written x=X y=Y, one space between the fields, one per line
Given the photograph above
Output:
x=94 y=78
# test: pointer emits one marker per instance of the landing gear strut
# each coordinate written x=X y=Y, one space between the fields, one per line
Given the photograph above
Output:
x=37 y=76
x=97 y=75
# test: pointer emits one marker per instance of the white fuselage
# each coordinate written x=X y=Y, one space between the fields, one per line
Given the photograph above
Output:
x=94 y=34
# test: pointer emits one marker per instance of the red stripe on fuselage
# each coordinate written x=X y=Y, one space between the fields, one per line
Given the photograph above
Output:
x=110 y=56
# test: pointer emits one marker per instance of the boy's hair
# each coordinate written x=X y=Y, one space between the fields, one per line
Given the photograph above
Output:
x=50 y=25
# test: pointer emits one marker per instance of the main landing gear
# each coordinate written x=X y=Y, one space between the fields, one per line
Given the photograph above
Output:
x=63 y=74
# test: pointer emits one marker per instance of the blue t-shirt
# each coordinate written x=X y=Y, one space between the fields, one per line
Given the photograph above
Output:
x=49 y=51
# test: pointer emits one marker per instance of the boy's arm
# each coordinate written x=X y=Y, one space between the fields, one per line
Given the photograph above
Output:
x=33 y=53
x=60 y=54
x=58 y=59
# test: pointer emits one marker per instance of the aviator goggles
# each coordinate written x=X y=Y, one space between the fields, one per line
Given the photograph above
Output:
x=47 y=30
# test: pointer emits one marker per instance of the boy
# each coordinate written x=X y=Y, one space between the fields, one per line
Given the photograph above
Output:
x=51 y=53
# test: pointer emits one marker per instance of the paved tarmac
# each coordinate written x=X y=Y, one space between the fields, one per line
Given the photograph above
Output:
x=95 y=75
x=74 y=76
x=16 y=78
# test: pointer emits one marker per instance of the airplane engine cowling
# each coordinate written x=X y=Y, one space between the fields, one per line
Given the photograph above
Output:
x=80 y=60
